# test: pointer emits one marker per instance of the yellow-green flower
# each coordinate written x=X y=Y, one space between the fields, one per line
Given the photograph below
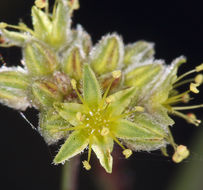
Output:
x=101 y=119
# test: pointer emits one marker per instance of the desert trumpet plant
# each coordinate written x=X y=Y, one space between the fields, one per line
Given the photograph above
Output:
x=93 y=96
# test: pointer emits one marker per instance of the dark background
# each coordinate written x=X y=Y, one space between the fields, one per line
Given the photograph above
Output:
x=175 y=27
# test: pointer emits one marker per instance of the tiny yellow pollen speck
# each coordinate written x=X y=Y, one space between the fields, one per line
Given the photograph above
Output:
x=86 y=165
x=127 y=153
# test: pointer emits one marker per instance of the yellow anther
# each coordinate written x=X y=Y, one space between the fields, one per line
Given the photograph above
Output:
x=185 y=98
x=199 y=68
x=110 y=99
x=127 y=153
x=74 y=84
x=74 y=4
x=193 y=88
x=180 y=154
x=139 y=108
x=105 y=131
x=79 y=116
x=3 y=25
x=199 y=79
x=116 y=74
x=86 y=165
x=40 y=3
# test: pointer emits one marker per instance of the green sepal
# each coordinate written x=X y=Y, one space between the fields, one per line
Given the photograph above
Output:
x=103 y=146
x=41 y=23
x=13 y=78
x=39 y=60
x=121 y=100
x=125 y=129
x=15 y=38
x=138 y=52
x=159 y=134
x=45 y=93
x=91 y=87
x=14 y=98
x=141 y=76
x=51 y=126
x=73 y=62
x=76 y=143
x=61 y=23
x=107 y=55
x=68 y=111
x=164 y=85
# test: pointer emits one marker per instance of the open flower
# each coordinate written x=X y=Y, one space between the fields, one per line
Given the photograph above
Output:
x=99 y=120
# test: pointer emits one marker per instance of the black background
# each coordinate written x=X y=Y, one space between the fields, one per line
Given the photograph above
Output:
x=175 y=27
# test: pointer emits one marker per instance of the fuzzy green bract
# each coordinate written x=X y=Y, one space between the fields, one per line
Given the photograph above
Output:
x=95 y=95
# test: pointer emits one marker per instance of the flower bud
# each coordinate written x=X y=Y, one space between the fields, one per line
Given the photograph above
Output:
x=39 y=60
x=107 y=55
x=45 y=93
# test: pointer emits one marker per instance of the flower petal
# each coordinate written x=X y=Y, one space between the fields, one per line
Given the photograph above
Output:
x=75 y=144
x=120 y=100
x=50 y=124
x=91 y=88
x=103 y=146
x=68 y=111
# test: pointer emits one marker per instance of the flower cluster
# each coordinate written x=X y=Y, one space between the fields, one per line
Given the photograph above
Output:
x=93 y=96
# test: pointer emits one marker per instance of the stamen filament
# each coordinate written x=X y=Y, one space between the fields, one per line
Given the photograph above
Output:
x=185 y=74
x=21 y=28
x=117 y=141
x=183 y=82
x=188 y=107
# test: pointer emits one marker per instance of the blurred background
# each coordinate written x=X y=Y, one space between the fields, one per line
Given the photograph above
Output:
x=176 y=28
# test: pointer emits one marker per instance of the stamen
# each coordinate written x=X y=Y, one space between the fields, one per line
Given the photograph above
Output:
x=193 y=88
x=40 y=3
x=3 y=25
x=104 y=131
x=199 y=79
x=74 y=86
x=188 y=119
x=116 y=74
x=186 y=98
x=180 y=154
x=127 y=153
x=86 y=165
x=199 y=68
x=183 y=82
x=193 y=119
x=176 y=98
x=72 y=128
x=188 y=107
x=185 y=74
x=117 y=141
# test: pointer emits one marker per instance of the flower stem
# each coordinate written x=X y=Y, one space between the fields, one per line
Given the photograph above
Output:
x=70 y=174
